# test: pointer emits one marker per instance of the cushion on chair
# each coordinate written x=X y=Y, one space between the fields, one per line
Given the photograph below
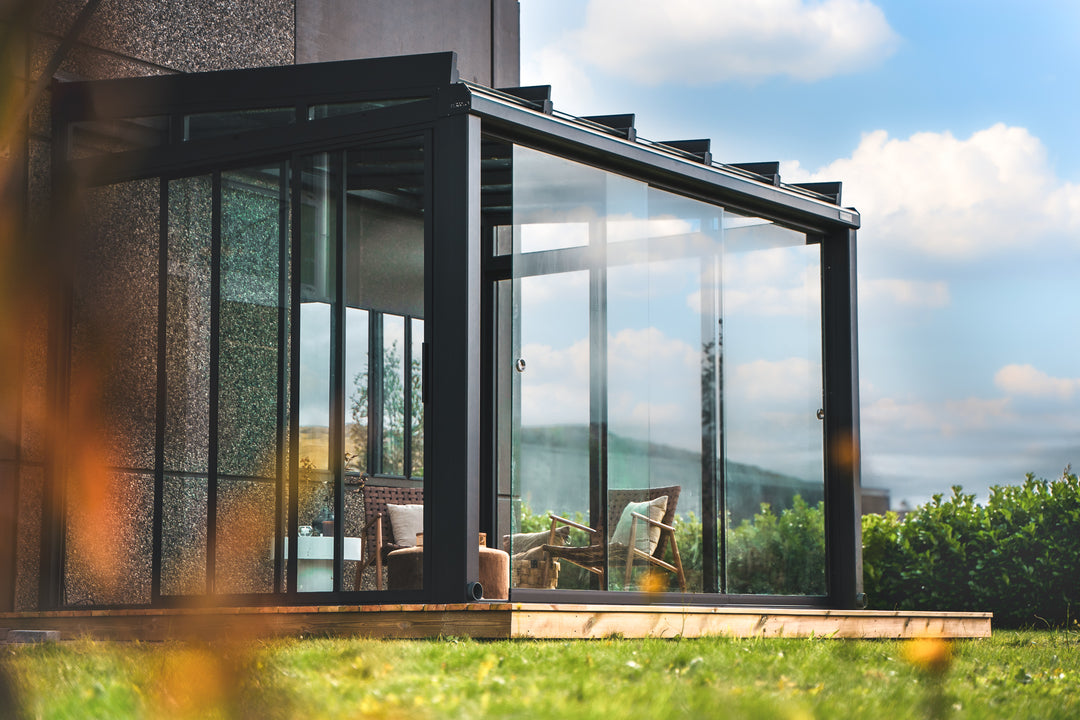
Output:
x=523 y=542
x=406 y=520
x=653 y=509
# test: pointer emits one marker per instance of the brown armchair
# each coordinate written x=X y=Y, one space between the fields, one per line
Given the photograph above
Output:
x=592 y=557
x=378 y=532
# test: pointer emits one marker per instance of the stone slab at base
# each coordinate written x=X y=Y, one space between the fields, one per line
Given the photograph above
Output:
x=495 y=621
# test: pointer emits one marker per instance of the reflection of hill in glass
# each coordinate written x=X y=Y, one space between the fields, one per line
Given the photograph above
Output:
x=554 y=465
x=314 y=444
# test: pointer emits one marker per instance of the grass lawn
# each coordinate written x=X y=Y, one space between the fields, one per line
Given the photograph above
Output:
x=1012 y=675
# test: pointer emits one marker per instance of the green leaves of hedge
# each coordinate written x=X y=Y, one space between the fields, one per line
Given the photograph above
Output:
x=1018 y=556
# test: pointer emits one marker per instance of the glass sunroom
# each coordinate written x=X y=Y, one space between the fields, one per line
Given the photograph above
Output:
x=297 y=288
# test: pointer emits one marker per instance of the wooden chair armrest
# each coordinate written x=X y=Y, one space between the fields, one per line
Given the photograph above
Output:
x=654 y=523
x=557 y=519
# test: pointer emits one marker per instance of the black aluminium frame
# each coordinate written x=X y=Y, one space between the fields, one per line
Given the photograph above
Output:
x=459 y=416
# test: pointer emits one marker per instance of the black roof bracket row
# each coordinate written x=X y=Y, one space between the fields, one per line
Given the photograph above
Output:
x=770 y=171
x=830 y=190
x=701 y=149
x=536 y=96
x=620 y=125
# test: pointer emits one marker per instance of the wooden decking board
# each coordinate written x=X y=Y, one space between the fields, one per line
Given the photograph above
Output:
x=495 y=621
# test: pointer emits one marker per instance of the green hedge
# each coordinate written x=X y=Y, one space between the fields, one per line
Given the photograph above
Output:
x=1018 y=556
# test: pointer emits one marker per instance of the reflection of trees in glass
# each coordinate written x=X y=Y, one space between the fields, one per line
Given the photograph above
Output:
x=393 y=413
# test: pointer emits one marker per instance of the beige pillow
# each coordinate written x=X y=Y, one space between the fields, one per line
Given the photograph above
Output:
x=647 y=535
x=406 y=520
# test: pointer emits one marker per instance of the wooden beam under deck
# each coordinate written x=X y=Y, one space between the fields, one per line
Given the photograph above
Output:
x=494 y=621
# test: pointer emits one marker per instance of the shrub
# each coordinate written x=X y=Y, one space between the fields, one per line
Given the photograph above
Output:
x=1018 y=556
x=779 y=554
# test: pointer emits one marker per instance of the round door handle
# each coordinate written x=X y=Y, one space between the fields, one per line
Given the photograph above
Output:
x=821 y=414
x=520 y=365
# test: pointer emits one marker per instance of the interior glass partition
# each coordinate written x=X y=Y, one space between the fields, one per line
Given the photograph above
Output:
x=361 y=328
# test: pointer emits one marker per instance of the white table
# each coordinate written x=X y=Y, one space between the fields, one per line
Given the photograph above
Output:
x=315 y=561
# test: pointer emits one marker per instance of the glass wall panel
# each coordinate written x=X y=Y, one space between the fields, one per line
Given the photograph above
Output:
x=115 y=324
x=393 y=395
x=107 y=549
x=319 y=220
x=551 y=454
x=202 y=126
x=666 y=366
x=245 y=536
x=253 y=229
x=183 y=536
x=772 y=380
x=661 y=344
x=187 y=329
x=357 y=382
x=317 y=112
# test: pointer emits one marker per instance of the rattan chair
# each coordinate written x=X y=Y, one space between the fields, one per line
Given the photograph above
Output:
x=378 y=532
x=594 y=556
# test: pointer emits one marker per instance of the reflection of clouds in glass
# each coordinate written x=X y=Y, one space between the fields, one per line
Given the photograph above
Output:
x=565 y=288
x=552 y=236
x=770 y=414
x=631 y=227
x=775 y=383
x=778 y=281
x=654 y=386
x=555 y=385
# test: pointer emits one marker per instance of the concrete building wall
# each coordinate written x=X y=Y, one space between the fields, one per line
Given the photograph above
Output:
x=484 y=33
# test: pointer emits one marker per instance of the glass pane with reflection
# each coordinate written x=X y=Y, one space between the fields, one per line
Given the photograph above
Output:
x=772 y=391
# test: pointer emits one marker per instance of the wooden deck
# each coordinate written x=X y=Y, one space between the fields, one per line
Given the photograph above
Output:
x=495 y=621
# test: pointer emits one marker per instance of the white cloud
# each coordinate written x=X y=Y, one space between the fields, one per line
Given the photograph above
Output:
x=955 y=198
x=695 y=42
x=1029 y=381
x=921 y=294
x=570 y=85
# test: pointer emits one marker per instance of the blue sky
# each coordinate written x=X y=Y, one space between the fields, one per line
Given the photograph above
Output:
x=953 y=128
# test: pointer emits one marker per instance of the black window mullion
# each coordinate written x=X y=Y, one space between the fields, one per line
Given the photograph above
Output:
x=375 y=392
x=294 y=377
x=598 y=388
x=337 y=369
x=215 y=356
x=282 y=363
x=159 y=432
x=710 y=425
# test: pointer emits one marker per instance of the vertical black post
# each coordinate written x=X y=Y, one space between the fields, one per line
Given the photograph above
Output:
x=215 y=380
x=843 y=499
x=710 y=424
x=336 y=464
x=375 y=392
x=162 y=392
x=598 y=387
x=452 y=313
x=58 y=374
x=298 y=164
x=284 y=236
